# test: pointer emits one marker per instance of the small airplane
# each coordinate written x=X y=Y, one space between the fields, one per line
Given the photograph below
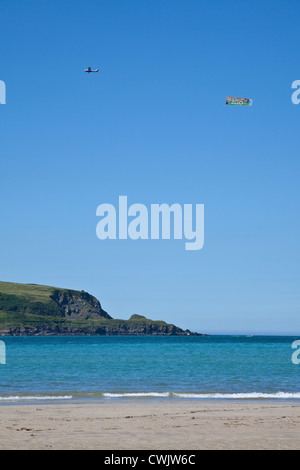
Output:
x=89 y=70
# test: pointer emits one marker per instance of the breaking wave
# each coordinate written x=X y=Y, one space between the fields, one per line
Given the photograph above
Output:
x=35 y=397
x=159 y=395
x=207 y=396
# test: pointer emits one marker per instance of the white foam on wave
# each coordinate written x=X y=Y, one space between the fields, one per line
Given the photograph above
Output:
x=182 y=395
x=137 y=395
x=37 y=397
x=207 y=396
x=253 y=395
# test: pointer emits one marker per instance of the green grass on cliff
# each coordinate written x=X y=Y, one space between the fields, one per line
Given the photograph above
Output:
x=26 y=299
x=32 y=291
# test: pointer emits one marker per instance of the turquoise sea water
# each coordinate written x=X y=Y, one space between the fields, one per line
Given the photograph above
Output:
x=110 y=367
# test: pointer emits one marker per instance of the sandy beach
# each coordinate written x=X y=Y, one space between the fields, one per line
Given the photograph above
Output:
x=150 y=425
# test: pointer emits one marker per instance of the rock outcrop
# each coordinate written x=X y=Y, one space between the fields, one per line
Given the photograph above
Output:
x=78 y=305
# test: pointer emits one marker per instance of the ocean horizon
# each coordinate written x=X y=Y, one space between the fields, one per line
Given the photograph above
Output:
x=70 y=368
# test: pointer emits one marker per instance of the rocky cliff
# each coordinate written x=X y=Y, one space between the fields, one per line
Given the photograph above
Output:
x=78 y=305
x=28 y=309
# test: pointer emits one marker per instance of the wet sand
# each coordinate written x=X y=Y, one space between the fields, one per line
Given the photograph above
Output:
x=150 y=425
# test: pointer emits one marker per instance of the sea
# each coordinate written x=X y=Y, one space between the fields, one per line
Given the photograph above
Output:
x=89 y=368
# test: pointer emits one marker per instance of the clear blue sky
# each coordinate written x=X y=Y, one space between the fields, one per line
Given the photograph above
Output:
x=153 y=125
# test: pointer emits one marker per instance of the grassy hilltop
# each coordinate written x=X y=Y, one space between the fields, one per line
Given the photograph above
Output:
x=29 y=309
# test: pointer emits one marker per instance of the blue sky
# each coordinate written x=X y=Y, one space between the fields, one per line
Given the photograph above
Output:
x=153 y=125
